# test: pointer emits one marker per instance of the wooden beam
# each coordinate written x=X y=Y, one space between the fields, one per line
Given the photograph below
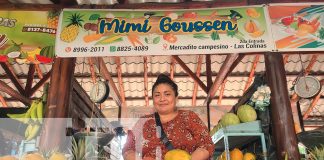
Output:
x=209 y=84
x=40 y=83
x=140 y=98
x=235 y=63
x=258 y=81
x=223 y=72
x=313 y=104
x=146 y=82
x=190 y=73
x=65 y=3
x=126 y=5
x=12 y=75
x=221 y=93
x=285 y=59
x=176 y=75
x=30 y=80
x=7 y=89
x=280 y=109
x=39 y=71
x=311 y=63
x=172 y=68
x=209 y=73
x=255 y=63
x=53 y=134
x=198 y=70
x=84 y=98
x=2 y=2
x=3 y=101
x=106 y=75
x=120 y=79
x=92 y=71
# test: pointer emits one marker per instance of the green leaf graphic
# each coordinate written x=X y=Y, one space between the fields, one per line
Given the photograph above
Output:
x=214 y=36
x=200 y=36
x=94 y=17
x=156 y=40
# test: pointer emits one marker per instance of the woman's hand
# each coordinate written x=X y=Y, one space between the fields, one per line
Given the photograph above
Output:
x=129 y=155
x=200 y=154
x=148 y=158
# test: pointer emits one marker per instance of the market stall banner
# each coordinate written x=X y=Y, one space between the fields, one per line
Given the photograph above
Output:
x=27 y=36
x=297 y=27
x=85 y=33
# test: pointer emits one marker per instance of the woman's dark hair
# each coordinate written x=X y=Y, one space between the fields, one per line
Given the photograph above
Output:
x=164 y=79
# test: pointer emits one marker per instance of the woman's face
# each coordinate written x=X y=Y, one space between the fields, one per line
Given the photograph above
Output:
x=164 y=99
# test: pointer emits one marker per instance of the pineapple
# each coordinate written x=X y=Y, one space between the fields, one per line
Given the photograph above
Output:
x=71 y=31
x=52 y=19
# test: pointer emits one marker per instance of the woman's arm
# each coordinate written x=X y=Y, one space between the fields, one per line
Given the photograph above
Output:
x=200 y=154
x=129 y=155
x=205 y=146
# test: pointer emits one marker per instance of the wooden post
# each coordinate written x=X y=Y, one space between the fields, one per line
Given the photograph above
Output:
x=59 y=98
x=281 y=113
x=195 y=90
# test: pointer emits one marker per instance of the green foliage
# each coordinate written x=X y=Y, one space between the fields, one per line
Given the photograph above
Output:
x=214 y=36
x=200 y=36
x=317 y=153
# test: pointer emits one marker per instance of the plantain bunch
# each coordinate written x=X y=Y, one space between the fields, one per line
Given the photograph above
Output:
x=33 y=117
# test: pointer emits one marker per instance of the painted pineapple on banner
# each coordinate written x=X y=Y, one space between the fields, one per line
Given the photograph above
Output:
x=71 y=31
x=52 y=19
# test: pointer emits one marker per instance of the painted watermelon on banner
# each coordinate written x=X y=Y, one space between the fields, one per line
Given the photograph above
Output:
x=46 y=55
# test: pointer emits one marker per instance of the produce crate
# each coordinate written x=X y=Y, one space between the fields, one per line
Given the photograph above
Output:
x=27 y=146
x=238 y=135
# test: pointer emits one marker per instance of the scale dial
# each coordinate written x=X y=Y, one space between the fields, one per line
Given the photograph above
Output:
x=99 y=92
x=307 y=86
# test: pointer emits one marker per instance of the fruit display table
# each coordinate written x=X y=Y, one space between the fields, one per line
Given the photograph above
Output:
x=238 y=135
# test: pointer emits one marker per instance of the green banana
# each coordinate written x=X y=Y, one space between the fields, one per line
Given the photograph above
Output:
x=33 y=110
x=33 y=132
x=19 y=117
x=40 y=111
x=28 y=129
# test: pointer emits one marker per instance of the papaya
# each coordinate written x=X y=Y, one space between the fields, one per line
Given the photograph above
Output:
x=249 y=156
x=57 y=156
x=236 y=154
x=251 y=26
x=177 y=154
x=252 y=12
x=8 y=158
x=33 y=156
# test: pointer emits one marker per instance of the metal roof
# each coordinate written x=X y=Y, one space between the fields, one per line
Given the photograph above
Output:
x=133 y=77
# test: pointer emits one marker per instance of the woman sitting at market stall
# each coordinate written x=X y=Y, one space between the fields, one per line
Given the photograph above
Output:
x=181 y=130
